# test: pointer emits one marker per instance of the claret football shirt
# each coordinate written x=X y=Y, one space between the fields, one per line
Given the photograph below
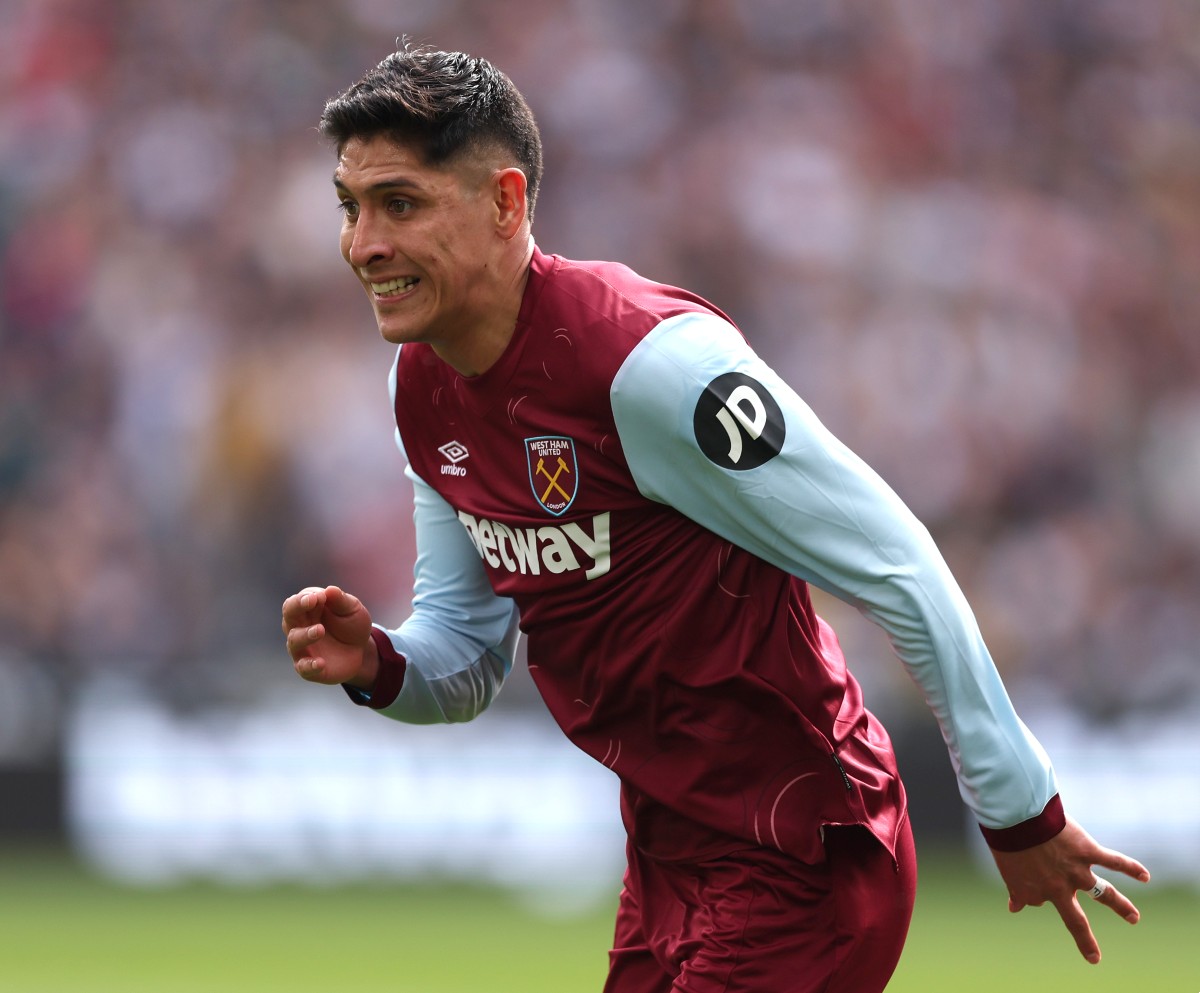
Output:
x=636 y=491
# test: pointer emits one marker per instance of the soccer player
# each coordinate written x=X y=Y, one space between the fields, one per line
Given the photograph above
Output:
x=603 y=463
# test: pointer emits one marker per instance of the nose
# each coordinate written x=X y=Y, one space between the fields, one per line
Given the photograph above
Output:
x=364 y=243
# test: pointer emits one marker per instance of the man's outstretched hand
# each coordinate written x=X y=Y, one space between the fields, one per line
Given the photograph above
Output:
x=1055 y=871
x=328 y=634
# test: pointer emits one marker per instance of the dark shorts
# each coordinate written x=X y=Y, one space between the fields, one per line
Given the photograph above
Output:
x=757 y=921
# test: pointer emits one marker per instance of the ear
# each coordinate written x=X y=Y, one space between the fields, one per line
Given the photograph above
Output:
x=511 y=209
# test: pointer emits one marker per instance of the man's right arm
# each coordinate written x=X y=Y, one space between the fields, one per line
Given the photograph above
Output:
x=448 y=660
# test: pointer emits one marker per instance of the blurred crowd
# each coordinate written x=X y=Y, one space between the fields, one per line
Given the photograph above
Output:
x=967 y=231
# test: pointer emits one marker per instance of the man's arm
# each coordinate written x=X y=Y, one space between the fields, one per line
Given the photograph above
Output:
x=801 y=500
x=708 y=428
x=457 y=646
x=445 y=663
x=448 y=660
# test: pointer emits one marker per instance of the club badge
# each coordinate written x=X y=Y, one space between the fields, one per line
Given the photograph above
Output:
x=553 y=472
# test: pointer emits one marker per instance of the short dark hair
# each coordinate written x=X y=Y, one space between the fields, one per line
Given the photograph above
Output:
x=448 y=103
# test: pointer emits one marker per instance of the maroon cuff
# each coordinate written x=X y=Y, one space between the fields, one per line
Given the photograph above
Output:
x=1027 y=834
x=389 y=679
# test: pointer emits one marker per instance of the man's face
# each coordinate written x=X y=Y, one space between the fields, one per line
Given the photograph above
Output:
x=419 y=237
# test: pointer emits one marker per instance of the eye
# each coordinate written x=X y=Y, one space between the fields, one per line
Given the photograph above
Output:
x=398 y=206
x=348 y=207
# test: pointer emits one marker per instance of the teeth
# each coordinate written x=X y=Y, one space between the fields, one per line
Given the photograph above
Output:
x=394 y=285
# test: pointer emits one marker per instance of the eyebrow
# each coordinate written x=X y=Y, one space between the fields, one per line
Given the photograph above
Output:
x=398 y=183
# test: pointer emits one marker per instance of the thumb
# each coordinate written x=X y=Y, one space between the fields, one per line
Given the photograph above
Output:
x=341 y=603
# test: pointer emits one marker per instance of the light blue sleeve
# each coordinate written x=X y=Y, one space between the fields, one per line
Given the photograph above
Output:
x=813 y=508
x=460 y=640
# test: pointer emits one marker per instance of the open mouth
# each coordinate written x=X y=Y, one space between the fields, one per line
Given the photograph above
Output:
x=394 y=287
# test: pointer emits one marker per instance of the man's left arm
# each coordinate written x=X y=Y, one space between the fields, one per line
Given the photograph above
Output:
x=711 y=430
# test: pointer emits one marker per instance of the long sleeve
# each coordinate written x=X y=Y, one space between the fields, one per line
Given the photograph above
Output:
x=708 y=428
x=450 y=657
x=459 y=642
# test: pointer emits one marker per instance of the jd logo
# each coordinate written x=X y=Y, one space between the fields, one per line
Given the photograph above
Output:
x=737 y=422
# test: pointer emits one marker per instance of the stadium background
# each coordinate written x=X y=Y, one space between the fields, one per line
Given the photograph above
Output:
x=968 y=232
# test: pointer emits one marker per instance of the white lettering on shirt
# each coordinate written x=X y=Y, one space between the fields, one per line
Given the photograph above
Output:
x=555 y=548
x=753 y=422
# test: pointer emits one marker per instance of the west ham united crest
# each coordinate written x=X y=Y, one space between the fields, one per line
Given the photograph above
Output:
x=553 y=472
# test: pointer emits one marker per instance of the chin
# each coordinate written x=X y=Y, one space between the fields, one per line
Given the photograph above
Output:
x=399 y=334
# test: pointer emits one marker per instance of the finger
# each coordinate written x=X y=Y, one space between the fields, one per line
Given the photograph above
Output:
x=1077 y=923
x=1118 y=862
x=309 y=667
x=1119 y=903
x=340 y=602
x=303 y=607
x=301 y=639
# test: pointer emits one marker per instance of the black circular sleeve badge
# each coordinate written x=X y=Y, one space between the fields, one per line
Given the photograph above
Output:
x=737 y=422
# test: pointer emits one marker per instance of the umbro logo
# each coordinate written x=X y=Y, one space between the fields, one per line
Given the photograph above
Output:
x=454 y=452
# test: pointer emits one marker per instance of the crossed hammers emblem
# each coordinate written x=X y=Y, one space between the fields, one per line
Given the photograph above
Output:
x=554 y=485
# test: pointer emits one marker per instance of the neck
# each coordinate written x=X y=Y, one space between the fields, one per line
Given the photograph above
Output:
x=475 y=353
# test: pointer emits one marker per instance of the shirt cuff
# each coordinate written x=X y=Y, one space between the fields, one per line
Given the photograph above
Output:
x=388 y=681
x=1035 y=831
